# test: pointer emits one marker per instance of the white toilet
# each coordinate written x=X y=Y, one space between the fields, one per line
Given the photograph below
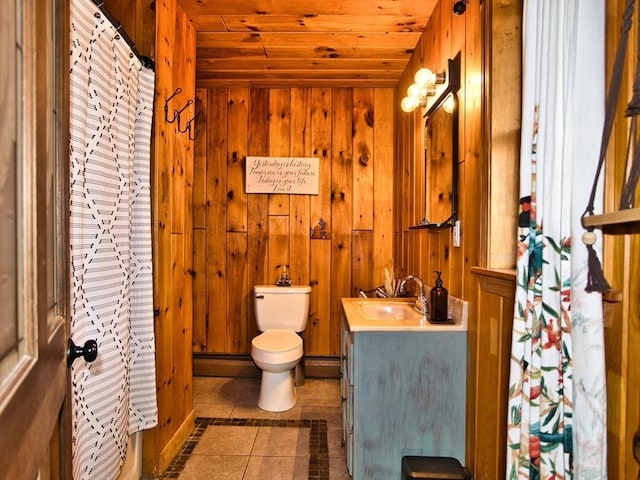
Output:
x=281 y=312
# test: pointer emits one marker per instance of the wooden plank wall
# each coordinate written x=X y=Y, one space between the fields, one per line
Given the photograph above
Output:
x=621 y=260
x=241 y=239
x=487 y=437
x=172 y=180
x=423 y=251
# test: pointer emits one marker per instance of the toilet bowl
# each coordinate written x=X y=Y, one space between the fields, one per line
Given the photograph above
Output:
x=276 y=352
x=281 y=313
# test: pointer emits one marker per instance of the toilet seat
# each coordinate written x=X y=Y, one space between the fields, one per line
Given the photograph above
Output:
x=277 y=346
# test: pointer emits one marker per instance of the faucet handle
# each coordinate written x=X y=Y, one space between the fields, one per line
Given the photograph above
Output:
x=421 y=305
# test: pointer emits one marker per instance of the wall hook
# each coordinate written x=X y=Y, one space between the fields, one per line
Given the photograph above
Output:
x=196 y=131
x=195 y=135
x=177 y=114
x=177 y=91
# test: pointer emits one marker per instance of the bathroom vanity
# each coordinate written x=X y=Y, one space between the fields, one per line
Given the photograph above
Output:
x=403 y=386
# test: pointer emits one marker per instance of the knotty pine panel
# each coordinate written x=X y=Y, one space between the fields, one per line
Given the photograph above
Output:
x=318 y=335
x=621 y=264
x=362 y=273
x=237 y=293
x=237 y=118
x=278 y=246
x=321 y=121
x=173 y=234
x=199 y=225
x=383 y=119
x=505 y=110
x=619 y=255
x=490 y=338
x=182 y=395
x=405 y=184
x=200 y=300
x=341 y=207
x=286 y=231
x=199 y=197
x=258 y=204
x=299 y=241
x=363 y=146
x=137 y=18
x=279 y=140
x=457 y=258
x=216 y=219
x=436 y=260
x=472 y=200
x=300 y=205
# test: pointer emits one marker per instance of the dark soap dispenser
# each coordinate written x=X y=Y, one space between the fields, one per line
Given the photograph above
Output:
x=439 y=301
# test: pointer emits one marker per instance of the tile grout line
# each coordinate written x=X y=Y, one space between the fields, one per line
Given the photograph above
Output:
x=318 y=442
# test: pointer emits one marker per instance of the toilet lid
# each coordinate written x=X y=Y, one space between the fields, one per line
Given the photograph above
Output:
x=277 y=340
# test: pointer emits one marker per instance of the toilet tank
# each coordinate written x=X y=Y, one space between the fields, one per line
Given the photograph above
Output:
x=281 y=307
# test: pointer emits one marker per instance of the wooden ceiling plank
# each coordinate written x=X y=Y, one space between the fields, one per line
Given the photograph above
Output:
x=321 y=23
x=397 y=65
x=298 y=74
x=281 y=43
x=285 y=83
x=422 y=8
x=313 y=39
x=243 y=53
x=387 y=53
x=209 y=23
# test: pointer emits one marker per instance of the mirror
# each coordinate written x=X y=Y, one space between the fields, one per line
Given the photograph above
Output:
x=441 y=155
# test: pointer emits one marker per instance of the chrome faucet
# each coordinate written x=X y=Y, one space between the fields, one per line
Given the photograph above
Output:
x=421 y=300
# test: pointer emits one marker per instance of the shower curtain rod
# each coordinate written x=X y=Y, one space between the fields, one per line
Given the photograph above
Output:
x=146 y=61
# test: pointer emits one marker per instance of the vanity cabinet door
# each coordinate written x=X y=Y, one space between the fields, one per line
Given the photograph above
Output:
x=408 y=398
x=346 y=386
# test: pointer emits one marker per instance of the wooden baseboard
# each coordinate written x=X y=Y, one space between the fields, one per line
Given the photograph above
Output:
x=215 y=365
x=172 y=448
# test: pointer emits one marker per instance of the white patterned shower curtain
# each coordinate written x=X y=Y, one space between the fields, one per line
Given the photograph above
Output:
x=557 y=399
x=110 y=236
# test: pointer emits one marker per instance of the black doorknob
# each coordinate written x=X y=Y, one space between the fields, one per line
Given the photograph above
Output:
x=89 y=351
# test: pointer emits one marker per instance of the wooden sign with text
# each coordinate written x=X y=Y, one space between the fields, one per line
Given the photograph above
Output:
x=292 y=175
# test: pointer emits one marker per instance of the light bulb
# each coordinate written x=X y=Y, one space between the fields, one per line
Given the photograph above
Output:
x=416 y=91
x=449 y=104
x=409 y=104
x=424 y=76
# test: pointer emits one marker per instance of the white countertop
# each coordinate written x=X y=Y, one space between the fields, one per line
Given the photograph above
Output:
x=398 y=315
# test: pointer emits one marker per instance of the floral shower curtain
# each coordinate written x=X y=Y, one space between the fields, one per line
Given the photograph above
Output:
x=110 y=236
x=557 y=403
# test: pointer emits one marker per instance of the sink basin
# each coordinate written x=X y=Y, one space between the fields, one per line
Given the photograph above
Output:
x=398 y=315
x=388 y=311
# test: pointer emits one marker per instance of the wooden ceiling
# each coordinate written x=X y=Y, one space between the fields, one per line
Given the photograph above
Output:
x=285 y=43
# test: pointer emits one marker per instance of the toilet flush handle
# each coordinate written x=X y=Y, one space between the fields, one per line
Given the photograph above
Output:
x=260 y=296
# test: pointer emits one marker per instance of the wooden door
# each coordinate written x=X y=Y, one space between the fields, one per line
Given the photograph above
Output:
x=33 y=263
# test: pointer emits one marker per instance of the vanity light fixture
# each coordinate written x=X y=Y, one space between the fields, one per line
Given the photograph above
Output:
x=424 y=86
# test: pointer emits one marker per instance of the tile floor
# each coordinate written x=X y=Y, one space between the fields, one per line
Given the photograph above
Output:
x=235 y=440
